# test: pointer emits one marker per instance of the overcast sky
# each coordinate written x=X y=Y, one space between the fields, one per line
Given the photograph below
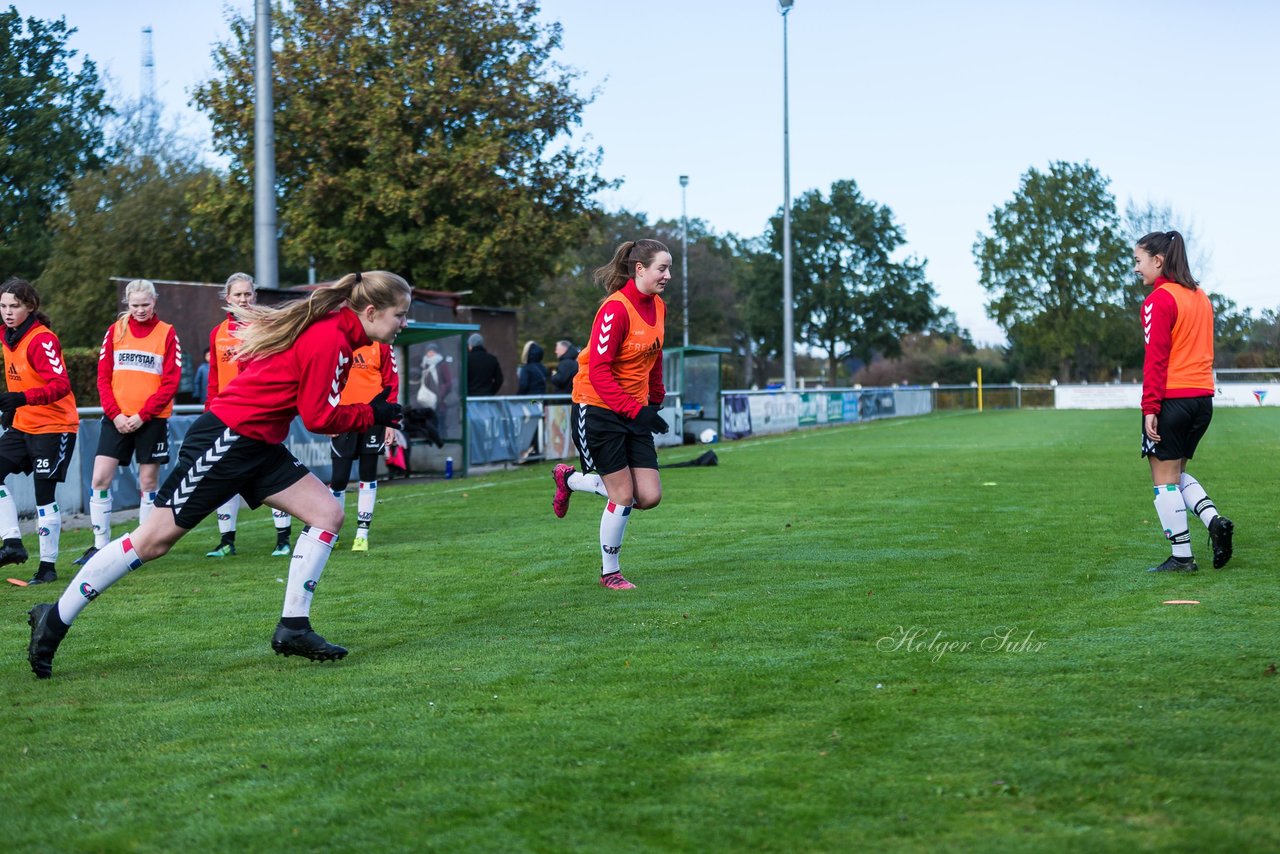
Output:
x=935 y=108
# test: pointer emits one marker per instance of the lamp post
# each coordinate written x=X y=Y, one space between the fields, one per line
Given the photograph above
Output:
x=788 y=312
x=265 y=251
x=684 y=255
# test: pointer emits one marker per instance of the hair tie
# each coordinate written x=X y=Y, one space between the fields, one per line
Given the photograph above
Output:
x=357 y=278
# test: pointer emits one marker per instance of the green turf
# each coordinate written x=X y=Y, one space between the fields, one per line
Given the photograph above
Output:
x=918 y=634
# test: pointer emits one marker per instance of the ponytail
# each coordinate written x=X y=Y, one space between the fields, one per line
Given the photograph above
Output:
x=272 y=329
x=1173 y=248
x=622 y=266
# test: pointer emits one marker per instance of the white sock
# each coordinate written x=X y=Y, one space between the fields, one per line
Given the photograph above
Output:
x=580 y=482
x=1197 y=500
x=1173 y=518
x=613 y=524
x=113 y=562
x=8 y=516
x=145 y=506
x=309 y=557
x=365 y=500
x=340 y=494
x=100 y=516
x=281 y=519
x=49 y=524
x=227 y=515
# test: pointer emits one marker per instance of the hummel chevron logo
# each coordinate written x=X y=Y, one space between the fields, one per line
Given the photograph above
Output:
x=335 y=388
x=606 y=326
x=51 y=353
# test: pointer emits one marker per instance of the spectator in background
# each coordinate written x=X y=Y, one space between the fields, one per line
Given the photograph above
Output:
x=200 y=389
x=532 y=376
x=561 y=382
x=484 y=374
x=435 y=386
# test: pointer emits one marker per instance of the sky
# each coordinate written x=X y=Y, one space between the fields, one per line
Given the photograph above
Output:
x=935 y=108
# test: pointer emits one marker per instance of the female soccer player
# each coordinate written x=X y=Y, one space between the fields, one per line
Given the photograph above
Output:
x=139 y=366
x=1177 y=395
x=617 y=395
x=295 y=361
x=238 y=292
x=373 y=372
x=40 y=412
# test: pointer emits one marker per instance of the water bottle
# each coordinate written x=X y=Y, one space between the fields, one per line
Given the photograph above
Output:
x=448 y=468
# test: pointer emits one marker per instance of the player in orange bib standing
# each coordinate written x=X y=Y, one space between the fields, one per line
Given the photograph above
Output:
x=139 y=366
x=617 y=397
x=239 y=292
x=373 y=371
x=1177 y=395
x=40 y=413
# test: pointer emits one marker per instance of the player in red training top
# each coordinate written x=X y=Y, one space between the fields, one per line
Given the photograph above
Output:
x=238 y=292
x=40 y=412
x=295 y=362
x=139 y=366
x=617 y=396
x=373 y=372
x=1177 y=395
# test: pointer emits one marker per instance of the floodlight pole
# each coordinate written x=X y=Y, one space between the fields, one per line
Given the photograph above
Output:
x=266 y=259
x=684 y=255
x=788 y=298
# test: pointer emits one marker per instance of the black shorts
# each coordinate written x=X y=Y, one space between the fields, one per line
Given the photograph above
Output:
x=150 y=442
x=1182 y=423
x=607 y=442
x=46 y=455
x=348 y=446
x=216 y=463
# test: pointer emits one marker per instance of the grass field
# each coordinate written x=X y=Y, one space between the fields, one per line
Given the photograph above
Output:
x=918 y=634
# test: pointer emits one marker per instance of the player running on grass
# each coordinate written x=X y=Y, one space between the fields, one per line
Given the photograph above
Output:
x=295 y=362
x=1177 y=395
x=139 y=366
x=373 y=371
x=39 y=411
x=238 y=292
x=617 y=395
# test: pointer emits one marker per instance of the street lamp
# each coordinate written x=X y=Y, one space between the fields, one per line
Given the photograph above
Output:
x=684 y=255
x=788 y=315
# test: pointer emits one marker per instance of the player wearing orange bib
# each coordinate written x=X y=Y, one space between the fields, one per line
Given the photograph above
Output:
x=40 y=413
x=617 y=396
x=238 y=292
x=139 y=366
x=373 y=372
x=1177 y=395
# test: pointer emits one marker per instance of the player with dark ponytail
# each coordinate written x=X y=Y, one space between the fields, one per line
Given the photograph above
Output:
x=617 y=395
x=295 y=361
x=1177 y=395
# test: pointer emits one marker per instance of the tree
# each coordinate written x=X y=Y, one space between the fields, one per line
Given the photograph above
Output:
x=416 y=137
x=852 y=298
x=1058 y=271
x=134 y=217
x=50 y=132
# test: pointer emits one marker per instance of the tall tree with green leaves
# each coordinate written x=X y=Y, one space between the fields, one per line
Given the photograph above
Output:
x=426 y=138
x=134 y=217
x=853 y=295
x=1059 y=273
x=50 y=132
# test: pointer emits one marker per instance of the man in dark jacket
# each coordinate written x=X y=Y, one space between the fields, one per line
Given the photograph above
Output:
x=484 y=374
x=561 y=382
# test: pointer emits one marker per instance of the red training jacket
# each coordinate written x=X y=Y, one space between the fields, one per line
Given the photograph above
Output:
x=604 y=347
x=169 y=379
x=1177 y=324
x=305 y=380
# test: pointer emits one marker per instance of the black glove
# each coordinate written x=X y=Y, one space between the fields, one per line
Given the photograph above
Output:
x=11 y=400
x=385 y=413
x=649 y=419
